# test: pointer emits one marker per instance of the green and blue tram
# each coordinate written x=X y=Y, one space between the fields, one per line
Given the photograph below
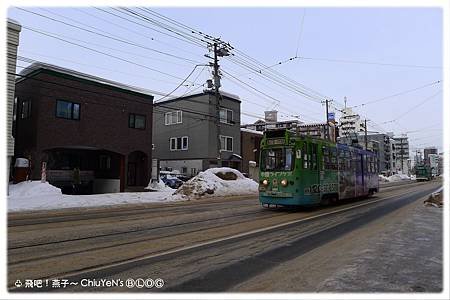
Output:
x=298 y=170
x=423 y=172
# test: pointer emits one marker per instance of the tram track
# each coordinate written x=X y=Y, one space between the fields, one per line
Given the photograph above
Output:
x=147 y=229
x=127 y=262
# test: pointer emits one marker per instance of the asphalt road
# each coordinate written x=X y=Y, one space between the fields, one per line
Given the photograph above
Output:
x=198 y=246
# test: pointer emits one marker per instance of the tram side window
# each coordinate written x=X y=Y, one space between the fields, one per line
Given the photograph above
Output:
x=333 y=158
x=325 y=158
x=305 y=156
x=348 y=160
x=314 y=156
x=341 y=161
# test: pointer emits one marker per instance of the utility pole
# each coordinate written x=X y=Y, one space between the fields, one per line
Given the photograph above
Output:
x=327 y=134
x=216 y=90
x=365 y=132
x=220 y=49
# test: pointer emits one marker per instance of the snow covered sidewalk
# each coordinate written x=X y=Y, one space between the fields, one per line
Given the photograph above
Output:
x=216 y=182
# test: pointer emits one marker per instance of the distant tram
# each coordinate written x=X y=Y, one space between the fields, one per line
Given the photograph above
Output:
x=297 y=170
x=423 y=173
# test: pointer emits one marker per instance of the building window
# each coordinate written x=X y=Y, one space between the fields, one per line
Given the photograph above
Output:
x=26 y=109
x=67 y=110
x=105 y=162
x=136 y=121
x=226 y=115
x=179 y=143
x=184 y=170
x=193 y=171
x=174 y=117
x=226 y=143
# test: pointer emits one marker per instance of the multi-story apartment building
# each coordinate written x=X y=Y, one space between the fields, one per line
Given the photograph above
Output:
x=427 y=152
x=13 y=32
x=194 y=132
x=74 y=121
x=401 y=146
x=350 y=123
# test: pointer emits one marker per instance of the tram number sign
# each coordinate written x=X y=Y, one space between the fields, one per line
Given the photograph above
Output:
x=323 y=188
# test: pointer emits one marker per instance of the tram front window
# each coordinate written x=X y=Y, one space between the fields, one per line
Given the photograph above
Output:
x=278 y=159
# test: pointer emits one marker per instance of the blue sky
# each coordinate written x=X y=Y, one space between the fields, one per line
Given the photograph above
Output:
x=405 y=45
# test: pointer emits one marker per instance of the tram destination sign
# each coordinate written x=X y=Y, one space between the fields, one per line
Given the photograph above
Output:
x=275 y=141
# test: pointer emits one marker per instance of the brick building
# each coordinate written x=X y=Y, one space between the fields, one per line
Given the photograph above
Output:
x=250 y=147
x=73 y=120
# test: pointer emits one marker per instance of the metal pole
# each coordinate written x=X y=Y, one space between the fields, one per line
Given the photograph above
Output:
x=216 y=90
x=365 y=132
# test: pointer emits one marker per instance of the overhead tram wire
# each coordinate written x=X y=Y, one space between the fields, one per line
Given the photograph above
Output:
x=252 y=90
x=114 y=49
x=140 y=16
x=91 y=66
x=133 y=31
x=173 y=30
x=397 y=94
x=279 y=83
x=279 y=75
x=301 y=31
x=282 y=80
x=101 y=52
x=145 y=26
x=109 y=36
x=414 y=107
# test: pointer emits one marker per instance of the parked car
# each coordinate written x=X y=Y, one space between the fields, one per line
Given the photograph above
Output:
x=171 y=181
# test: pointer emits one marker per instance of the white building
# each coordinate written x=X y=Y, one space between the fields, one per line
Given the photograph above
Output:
x=13 y=31
x=434 y=163
x=401 y=146
x=350 y=123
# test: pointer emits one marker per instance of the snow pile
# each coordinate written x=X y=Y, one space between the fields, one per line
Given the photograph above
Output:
x=217 y=182
x=383 y=178
x=398 y=177
x=28 y=189
x=35 y=195
x=159 y=186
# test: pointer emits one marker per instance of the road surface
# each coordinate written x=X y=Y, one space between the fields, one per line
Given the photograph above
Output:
x=231 y=245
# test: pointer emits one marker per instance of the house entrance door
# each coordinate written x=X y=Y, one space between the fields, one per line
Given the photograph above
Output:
x=131 y=178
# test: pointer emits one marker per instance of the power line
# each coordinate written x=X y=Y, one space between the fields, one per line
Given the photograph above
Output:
x=139 y=33
x=397 y=94
x=100 y=52
x=145 y=26
x=94 y=66
x=414 y=107
x=301 y=31
x=184 y=80
x=109 y=36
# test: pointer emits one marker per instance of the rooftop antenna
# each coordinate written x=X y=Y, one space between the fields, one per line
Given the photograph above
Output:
x=345 y=102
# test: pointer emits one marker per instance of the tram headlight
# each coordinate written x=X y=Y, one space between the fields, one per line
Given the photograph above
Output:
x=284 y=182
x=265 y=182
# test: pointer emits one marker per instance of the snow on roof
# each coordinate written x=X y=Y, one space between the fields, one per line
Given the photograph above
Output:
x=252 y=131
x=40 y=65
